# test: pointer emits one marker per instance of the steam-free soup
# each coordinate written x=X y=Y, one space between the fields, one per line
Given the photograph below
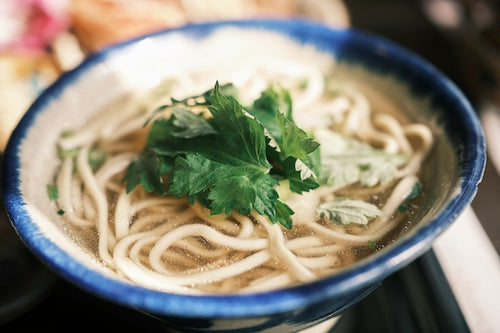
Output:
x=266 y=177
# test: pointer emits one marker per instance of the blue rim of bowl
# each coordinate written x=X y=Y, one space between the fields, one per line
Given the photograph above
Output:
x=350 y=45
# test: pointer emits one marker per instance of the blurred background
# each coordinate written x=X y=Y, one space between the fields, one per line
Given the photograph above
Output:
x=41 y=39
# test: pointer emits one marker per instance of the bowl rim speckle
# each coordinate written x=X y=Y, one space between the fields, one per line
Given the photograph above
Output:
x=233 y=306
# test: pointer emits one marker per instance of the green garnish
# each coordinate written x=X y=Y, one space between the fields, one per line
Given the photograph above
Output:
x=97 y=156
x=61 y=212
x=53 y=192
x=403 y=207
x=345 y=211
x=230 y=161
x=297 y=157
x=415 y=192
x=69 y=153
x=197 y=100
x=346 y=161
x=372 y=245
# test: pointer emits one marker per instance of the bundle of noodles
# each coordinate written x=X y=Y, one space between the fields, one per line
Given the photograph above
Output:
x=166 y=243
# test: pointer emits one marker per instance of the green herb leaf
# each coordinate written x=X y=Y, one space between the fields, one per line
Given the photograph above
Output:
x=273 y=100
x=287 y=143
x=147 y=170
x=52 y=192
x=299 y=180
x=346 y=161
x=97 y=156
x=283 y=213
x=241 y=138
x=346 y=211
x=223 y=161
x=415 y=192
x=188 y=125
x=68 y=153
x=294 y=141
x=198 y=100
x=239 y=188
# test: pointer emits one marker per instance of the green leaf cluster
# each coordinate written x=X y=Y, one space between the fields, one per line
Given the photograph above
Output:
x=231 y=160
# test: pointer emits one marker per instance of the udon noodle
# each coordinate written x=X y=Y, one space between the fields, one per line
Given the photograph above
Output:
x=168 y=244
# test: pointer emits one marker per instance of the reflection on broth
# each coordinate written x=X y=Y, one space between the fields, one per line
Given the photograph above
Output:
x=362 y=193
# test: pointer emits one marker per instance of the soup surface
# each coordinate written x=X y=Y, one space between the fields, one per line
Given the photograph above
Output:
x=248 y=179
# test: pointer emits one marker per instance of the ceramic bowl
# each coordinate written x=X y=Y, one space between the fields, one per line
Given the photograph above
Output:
x=403 y=77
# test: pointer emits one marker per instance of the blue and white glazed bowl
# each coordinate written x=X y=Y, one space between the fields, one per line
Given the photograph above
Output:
x=30 y=160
